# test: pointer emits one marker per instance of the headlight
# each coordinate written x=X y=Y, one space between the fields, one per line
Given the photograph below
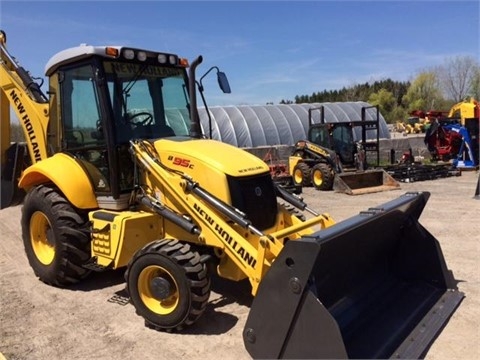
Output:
x=172 y=59
x=128 y=54
x=162 y=58
x=142 y=55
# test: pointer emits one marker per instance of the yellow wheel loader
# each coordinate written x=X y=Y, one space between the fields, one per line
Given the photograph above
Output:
x=116 y=174
x=332 y=159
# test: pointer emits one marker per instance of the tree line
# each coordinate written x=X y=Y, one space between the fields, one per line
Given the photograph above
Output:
x=436 y=88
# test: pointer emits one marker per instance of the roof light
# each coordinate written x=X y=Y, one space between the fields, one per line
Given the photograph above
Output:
x=111 y=51
x=142 y=55
x=128 y=54
x=172 y=59
x=183 y=62
x=162 y=58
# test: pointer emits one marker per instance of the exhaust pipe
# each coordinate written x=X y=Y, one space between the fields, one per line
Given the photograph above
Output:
x=195 y=129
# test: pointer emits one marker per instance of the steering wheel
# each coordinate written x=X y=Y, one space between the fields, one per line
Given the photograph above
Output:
x=147 y=121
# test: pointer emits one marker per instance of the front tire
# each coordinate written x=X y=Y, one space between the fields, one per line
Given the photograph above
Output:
x=301 y=174
x=55 y=237
x=322 y=177
x=168 y=285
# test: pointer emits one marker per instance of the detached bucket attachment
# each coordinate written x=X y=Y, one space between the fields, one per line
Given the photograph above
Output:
x=364 y=182
x=373 y=286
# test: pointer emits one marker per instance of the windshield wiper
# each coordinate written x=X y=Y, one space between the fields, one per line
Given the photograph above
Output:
x=135 y=78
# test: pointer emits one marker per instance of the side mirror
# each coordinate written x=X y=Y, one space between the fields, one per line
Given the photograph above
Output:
x=223 y=82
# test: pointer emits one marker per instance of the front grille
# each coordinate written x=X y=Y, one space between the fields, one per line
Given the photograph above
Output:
x=255 y=196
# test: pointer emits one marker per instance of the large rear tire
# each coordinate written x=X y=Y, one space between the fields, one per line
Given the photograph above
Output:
x=301 y=175
x=168 y=285
x=55 y=237
x=322 y=177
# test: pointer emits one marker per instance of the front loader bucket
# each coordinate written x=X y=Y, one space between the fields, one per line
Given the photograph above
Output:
x=364 y=182
x=373 y=286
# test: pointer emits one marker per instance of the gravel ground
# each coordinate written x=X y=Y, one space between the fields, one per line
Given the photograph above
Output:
x=89 y=321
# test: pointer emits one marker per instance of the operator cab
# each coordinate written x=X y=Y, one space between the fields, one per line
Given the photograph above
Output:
x=103 y=97
x=337 y=137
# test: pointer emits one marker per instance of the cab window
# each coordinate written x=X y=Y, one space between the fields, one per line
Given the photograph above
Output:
x=81 y=113
x=83 y=136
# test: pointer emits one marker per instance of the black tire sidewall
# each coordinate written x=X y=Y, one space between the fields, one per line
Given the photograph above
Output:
x=33 y=203
x=71 y=240
x=327 y=176
x=181 y=312
x=305 y=171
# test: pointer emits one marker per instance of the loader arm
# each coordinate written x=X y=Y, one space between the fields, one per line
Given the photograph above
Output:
x=19 y=92
x=315 y=151
x=217 y=223
x=26 y=98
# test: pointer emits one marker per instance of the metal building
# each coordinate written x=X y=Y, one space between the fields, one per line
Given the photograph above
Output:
x=263 y=125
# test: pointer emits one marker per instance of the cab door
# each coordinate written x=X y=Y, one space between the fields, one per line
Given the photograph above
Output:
x=83 y=133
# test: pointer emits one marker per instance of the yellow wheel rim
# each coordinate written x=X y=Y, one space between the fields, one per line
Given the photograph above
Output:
x=317 y=177
x=298 y=176
x=41 y=237
x=159 y=306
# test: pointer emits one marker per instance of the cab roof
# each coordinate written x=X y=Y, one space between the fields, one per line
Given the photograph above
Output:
x=75 y=54
x=84 y=51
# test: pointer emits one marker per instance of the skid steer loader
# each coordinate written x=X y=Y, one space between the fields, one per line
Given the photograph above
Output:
x=115 y=173
x=332 y=159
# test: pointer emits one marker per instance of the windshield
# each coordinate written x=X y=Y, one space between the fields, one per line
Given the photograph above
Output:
x=320 y=136
x=148 y=101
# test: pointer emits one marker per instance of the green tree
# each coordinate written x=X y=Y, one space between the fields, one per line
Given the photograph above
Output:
x=424 y=92
x=386 y=103
x=475 y=88
x=398 y=113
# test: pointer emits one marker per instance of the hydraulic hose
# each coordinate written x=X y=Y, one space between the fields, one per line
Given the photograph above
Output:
x=170 y=215
x=294 y=200
x=32 y=87
x=234 y=214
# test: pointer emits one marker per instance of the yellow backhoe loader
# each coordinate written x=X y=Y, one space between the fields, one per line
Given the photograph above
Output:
x=115 y=173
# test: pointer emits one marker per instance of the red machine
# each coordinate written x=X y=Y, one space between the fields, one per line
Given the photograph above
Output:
x=279 y=171
x=442 y=142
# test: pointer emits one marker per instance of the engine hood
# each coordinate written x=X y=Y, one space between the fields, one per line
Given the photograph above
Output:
x=185 y=152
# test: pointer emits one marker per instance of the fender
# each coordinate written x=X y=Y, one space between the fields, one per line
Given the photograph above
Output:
x=292 y=162
x=67 y=175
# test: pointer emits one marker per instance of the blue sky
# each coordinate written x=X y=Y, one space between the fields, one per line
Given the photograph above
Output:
x=270 y=50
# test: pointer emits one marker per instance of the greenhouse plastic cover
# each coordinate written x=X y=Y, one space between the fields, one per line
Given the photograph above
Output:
x=283 y=124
